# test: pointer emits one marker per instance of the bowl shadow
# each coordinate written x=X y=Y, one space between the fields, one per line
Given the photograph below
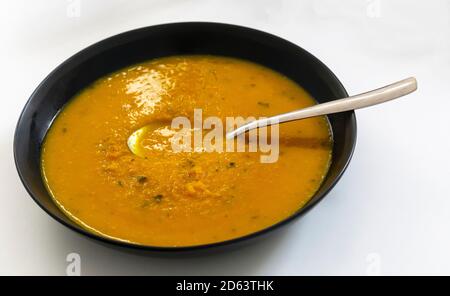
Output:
x=103 y=259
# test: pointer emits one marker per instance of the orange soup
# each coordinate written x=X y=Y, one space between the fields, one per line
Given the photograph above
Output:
x=164 y=198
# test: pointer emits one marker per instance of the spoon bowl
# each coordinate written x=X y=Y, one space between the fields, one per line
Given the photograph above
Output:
x=150 y=136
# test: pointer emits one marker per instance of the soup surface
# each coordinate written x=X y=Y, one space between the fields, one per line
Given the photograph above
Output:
x=164 y=198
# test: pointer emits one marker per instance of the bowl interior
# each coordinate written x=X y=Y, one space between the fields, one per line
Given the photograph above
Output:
x=164 y=40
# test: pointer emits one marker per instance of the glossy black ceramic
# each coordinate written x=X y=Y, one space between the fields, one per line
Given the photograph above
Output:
x=164 y=40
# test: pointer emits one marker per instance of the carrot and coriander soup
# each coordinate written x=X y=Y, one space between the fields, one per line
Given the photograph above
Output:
x=163 y=198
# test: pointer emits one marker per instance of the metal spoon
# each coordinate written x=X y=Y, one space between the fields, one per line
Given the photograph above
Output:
x=367 y=99
x=377 y=96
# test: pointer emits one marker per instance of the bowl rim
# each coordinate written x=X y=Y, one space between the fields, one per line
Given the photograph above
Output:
x=315 y=199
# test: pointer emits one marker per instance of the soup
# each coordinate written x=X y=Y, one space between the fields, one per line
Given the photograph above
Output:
x=163 y=198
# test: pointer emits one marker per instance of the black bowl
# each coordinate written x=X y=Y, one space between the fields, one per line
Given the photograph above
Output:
x=164 y=40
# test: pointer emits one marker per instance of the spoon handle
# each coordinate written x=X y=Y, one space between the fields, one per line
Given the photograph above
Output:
x=377 y=96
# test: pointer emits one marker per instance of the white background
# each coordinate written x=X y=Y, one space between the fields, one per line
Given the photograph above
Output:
x=390 y=213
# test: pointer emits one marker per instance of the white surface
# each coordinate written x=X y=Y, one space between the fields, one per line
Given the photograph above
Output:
x=389 y=214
